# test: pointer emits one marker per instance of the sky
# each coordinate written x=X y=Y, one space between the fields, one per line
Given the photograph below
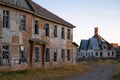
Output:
x=86 y=15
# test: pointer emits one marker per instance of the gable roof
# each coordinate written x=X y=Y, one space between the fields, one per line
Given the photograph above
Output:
x=94 y=43
x=44 y=13
x=83 y=44
x=34 y=8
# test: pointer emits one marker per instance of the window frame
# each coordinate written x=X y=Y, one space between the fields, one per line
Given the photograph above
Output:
x=47 y=28
x=68 y=34
x=47 y=55
x=23 y=22
x=55 y=31
x=62 y=33
x=5 y=54
x=6 y=19
x=36 y=27
x=37 y=54
x=55 y=55
x=63 y=54
x=68 y=54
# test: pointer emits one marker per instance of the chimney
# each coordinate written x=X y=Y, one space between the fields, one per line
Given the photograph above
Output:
x=96 y=31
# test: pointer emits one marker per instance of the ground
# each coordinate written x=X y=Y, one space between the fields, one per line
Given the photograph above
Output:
x=95 y=70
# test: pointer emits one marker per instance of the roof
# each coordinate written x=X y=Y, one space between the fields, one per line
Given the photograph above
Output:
x=84 y=44
x=94 y=44
x=34 y=8
x=42 y=12
x=74 y=43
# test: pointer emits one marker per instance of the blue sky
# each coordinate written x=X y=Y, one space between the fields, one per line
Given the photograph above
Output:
x=88 y=14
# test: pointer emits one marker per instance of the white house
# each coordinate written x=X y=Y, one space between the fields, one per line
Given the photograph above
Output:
x=96 y=47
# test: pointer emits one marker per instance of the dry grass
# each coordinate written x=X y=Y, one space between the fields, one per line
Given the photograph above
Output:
x=117 y=73
x=59 y=73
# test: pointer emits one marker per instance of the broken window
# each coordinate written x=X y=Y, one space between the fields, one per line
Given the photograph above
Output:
x=108 y=53
x=37 y=54
x=6 y=19
x=68 y=54
x=6 y=54
x=47 y=29
x=36 y=25
x=23 y=23
x=68 y=34
x=96 y=53
x=63 y=33
x=55 y=55
x=55 y=31
x=47 y=55
x=23 y=55
x=63 y=54
x=112 y=53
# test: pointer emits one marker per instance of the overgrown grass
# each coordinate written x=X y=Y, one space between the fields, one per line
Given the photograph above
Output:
x=58 y=73
x=117 y=73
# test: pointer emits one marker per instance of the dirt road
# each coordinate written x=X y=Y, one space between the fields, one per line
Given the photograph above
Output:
x=103 y=72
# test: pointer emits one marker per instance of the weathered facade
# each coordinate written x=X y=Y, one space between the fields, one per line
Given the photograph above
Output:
x=31 y=36
x=96 y=47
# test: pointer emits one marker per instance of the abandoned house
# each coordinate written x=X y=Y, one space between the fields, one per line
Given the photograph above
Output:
x=31 y=36
x=96 y=47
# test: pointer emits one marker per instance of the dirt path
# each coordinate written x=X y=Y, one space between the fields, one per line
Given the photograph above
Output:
x=103 y=72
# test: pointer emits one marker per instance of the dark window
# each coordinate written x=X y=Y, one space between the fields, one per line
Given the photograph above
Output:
x=47 y=29
x=112 y=53
x=101 y=54
x=55 y=31
x=108 y=53
x=68 y=54
x=23 y=23
x=37 y=54
x=6 y=19
x=47 y=55
x=68 y=34
x=6 y=54
x=63 y=54
x=55 y=55
x=36 y=24
x=63 y=33
x=23 y=56
x=96 y=53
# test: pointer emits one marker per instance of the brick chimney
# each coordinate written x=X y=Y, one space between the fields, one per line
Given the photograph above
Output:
x=96 y=31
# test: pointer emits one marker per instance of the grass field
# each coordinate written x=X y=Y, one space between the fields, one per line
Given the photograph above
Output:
x=46 y=74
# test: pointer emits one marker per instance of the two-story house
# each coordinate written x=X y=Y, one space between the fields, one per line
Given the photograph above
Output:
x=31 y=36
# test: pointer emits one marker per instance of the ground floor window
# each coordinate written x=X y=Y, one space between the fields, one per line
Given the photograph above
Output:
x=63 y=54
x=96 y=53
x=55 y=55
x=37 y=54
x=47 y=54
x=6 y=54
x=68 y=54
x=23 y=55
x=112 y=53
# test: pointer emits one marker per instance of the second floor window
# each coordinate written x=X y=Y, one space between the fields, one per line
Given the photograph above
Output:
x=55 y=31
x=6 y=19
x=63 y=33
x=47 y=29
x=23 y=23
x=68 y=34
x=36 y=27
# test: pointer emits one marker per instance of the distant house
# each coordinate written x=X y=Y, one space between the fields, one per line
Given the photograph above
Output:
x=32 y=36
x=96 y=47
